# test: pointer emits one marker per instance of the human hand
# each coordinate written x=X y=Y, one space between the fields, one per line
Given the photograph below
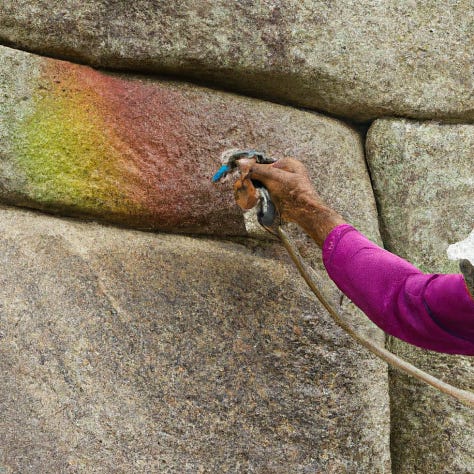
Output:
x=291 y=191
x=467 y=270
x=287 y=182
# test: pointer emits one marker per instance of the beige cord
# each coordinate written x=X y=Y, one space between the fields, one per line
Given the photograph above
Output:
x=463 y=396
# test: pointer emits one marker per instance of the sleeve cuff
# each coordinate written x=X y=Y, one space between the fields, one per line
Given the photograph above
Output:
x=332 y=239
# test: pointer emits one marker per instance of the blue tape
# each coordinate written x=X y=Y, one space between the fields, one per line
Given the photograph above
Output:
x=223 y=170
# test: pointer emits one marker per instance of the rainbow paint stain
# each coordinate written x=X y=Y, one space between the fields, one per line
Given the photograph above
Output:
x=126 y=150
x=68 y=153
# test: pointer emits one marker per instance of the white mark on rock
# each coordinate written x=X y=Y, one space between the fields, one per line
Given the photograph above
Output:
x=463 y=249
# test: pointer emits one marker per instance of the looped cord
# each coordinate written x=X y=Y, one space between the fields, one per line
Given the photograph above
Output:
x=464 y=396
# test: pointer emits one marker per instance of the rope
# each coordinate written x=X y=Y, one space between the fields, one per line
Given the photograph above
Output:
x=464 y=396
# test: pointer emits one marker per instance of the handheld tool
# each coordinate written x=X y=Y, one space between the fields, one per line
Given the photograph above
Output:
x=266 y=213
x=268 y=218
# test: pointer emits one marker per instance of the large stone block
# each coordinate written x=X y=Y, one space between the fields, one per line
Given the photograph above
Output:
x=124 y=351
x=355 y=59
x=423 y=180
x=141 y=152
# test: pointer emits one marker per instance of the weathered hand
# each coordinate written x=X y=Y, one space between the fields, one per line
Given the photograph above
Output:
x=467 y=270
x=286 y=180
x=292 y=193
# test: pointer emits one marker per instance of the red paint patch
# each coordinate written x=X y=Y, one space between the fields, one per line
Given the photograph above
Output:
x=165 y=147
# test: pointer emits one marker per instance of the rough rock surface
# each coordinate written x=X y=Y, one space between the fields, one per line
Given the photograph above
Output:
x=423 y=180
x=124 y=351
x=141 y=152
x=355 y=59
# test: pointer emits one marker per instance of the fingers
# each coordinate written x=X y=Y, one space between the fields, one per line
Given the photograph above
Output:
x=284 y=179
x=291 y=165
x=245 y=166
x=246 y=196
x=275 y=172
x=263 y=173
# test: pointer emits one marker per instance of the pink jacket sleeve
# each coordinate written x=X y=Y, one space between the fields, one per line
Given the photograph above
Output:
x=428 y=310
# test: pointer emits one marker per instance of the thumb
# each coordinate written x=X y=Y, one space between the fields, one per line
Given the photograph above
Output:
x=246 y=196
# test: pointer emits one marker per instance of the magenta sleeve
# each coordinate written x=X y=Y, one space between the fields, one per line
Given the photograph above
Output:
x=428 y=310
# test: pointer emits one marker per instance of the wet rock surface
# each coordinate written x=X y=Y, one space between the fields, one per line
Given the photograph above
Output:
x=360 y=60
x=124 y=351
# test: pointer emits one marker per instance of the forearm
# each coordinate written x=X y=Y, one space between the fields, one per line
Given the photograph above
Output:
x=397 y=296
x=317 y=219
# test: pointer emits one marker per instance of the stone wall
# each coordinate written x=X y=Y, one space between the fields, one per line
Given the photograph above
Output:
x=130 y=348
x=354 y=59
x=423 y=180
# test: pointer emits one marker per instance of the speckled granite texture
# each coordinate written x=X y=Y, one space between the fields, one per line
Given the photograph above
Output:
x=123 y=351
x=423 y=180
x=360 y=60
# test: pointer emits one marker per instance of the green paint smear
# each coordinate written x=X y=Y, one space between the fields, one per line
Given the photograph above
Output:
x=69 y=159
